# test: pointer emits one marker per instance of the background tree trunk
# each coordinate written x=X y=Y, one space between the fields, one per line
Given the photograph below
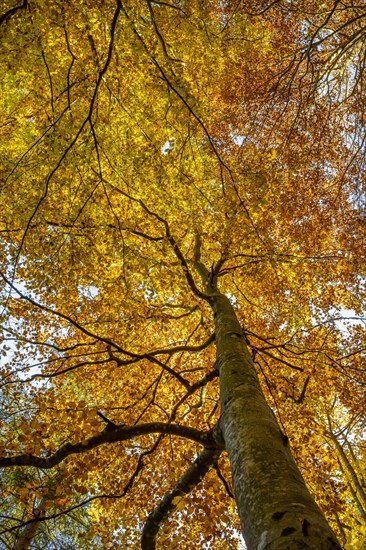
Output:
x=31 y=529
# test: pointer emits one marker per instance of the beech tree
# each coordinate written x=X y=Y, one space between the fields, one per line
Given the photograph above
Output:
x=182 y=234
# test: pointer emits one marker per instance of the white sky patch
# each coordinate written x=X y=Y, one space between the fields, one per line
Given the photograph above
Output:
x=168 y=146
x=89 y=291
x=349 y=317
x=232 y=298
x=237 y=139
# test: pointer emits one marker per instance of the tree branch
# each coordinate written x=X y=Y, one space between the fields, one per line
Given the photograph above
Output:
x=9 y=14
x=224 y=482
x=179 y=349
x=69 y=320
x=120 y=433
x=184 y=485
x=177 y=252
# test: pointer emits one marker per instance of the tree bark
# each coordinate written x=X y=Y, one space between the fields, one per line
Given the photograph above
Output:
x=275 y=508
x=31 y=529
x=351 y=476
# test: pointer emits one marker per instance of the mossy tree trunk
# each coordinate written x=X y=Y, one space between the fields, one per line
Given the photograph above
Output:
x=275 y=507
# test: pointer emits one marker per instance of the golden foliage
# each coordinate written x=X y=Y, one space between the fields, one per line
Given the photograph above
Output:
x=126 y=127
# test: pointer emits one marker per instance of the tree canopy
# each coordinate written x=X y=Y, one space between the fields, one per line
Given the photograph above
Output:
x=147 y=148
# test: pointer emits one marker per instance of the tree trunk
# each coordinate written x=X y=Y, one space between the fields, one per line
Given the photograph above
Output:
x=275 y=508
x=350 y=475
x=31 y=529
